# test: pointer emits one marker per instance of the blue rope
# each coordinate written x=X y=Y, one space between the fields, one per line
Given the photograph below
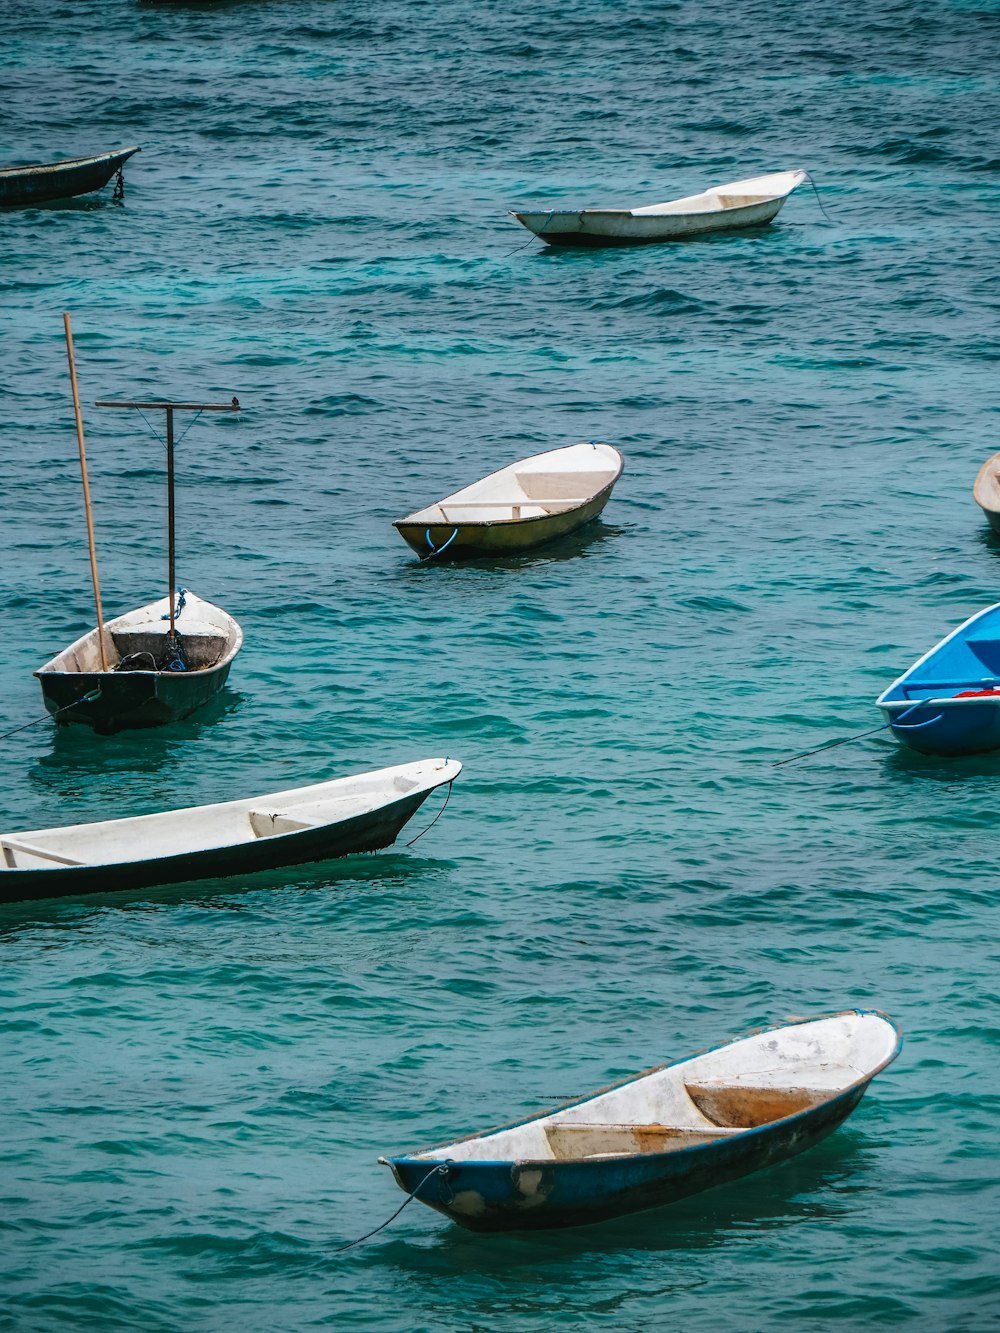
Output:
x=181 y=603
x=436 y=550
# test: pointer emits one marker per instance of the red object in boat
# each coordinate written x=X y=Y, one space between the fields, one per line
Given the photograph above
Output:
x=976 y=694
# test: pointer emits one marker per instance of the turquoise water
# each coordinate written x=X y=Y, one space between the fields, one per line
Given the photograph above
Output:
x=198 y=1081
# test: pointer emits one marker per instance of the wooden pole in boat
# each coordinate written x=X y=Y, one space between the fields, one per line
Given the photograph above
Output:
x=86 y=490
x=170 y=409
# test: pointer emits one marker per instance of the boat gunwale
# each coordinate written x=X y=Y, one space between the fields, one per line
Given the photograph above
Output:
x=249 y=801
x=412 y=521
x=34 y=169
x=234 y=642
x=861 y=1082
x=581 y=213
x=884 y=702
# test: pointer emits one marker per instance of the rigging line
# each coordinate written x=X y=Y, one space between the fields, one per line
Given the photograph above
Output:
x=846 y=740
x=441 y=1167
x=818 y=199
x=84 y=699
x=444 y=807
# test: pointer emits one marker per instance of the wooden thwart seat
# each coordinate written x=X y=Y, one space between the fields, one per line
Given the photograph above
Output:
x=741 y=1106
x=268 y=825
x=572 y=1141
x=10 y=845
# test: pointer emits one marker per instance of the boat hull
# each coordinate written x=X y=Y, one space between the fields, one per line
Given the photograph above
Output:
x=128 y=699
x=593 y=228
x=366 y=832
x=465 y=541
x=946 y=728
x=58 y=180
x=539 y=1195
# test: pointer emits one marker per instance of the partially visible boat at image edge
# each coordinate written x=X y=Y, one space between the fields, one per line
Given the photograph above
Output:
x=746 y=203
x=948 y=702
x=42 y=183
x=320 y=822
x=986 y=491
x=661 y=1135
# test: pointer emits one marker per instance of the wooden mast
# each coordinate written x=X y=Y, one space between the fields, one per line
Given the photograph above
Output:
x=86 y=490
x=170 y=409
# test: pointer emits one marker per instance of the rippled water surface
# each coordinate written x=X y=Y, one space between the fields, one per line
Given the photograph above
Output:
x=197 y=1081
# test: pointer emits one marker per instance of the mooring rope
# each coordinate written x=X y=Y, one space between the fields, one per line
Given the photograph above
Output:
x=84 y=699
x=518 y=248
x=847 y=740
x=818 y=199
x=447 y=798
x=440 y=1168
x=436 y=550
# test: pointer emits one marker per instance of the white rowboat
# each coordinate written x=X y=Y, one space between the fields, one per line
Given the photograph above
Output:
x=304 y=824
x=661 y=1135
x=746 y=203
x=519 y=507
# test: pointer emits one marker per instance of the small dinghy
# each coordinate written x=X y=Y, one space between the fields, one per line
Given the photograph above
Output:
x=284 y=828
x=986 y=491
x=948 y=702
x=519 y=507
x=746 y=203
x=40 y=184
x=669 y=1132
x=152 y=677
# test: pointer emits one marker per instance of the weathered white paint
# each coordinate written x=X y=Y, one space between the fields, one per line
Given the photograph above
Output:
x=548 y=483
x=199 y=828
x=744 y=203
x=211 y=634
x=811 y=1061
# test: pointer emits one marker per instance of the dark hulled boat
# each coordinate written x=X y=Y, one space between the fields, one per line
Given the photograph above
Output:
x=42 y=183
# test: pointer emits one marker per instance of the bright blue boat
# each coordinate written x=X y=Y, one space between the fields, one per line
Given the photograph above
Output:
x=661 y=1135
x=949 y=702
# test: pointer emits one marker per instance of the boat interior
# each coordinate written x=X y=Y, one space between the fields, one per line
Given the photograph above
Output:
x=736 y=194
x=725 y=1092
x=138 y=641
x=200 y=828
x=549 y=483
x=966 y=664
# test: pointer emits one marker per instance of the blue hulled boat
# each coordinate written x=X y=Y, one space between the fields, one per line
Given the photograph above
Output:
x=661 y=1135
x=948 y=703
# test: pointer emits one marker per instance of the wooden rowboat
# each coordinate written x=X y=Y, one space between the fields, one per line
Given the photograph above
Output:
x=948 y=702
x=986 y=491
x=661 y=1135
x=39 y=184
x=519 y=507
x=151 y=678
x=285 y=828
x=747 y=203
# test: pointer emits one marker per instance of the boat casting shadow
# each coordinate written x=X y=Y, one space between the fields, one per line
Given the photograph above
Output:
x=367 y=871
x=816 y=1187
x=583 y=542
x=146 y=749
x=609 y=252
x=904 y=764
